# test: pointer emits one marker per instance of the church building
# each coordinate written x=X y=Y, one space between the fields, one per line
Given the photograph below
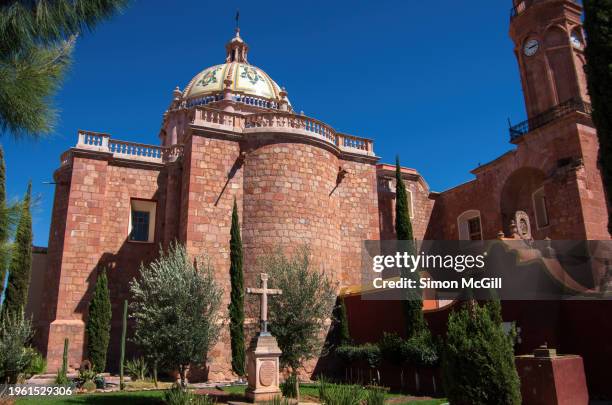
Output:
x=232 y=134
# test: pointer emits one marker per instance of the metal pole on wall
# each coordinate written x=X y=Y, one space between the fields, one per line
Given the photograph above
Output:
x=123 y=333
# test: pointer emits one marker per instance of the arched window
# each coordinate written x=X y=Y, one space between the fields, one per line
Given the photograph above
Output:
x=469 y=225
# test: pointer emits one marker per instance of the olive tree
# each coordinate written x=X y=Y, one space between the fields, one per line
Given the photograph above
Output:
x=298 y=316
x=175 y=306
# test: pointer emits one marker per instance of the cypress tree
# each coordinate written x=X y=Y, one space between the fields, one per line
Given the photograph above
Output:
x=403 y=225
x=98 y=324
x=413 y=302
x=478 y=361
x=236 y=306
x=344 y=334
x=4 y=222
x=21 y=260
x=598 y=26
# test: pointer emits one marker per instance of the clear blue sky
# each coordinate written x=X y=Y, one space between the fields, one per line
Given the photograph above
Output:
x=431 y=81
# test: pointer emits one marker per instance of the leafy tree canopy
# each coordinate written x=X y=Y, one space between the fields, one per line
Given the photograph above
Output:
x=176 y=309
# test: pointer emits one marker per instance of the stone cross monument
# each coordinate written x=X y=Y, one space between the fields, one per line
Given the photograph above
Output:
x=263 y=353
x=264 y=291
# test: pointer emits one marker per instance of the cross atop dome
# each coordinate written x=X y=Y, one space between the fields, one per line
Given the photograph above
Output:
x=236 y=48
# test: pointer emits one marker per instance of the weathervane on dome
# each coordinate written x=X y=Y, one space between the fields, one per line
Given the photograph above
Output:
x=237 y=21
x=236 y=48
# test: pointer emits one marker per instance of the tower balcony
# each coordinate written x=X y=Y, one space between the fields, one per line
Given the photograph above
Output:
x=521 y=5
x=560 y=110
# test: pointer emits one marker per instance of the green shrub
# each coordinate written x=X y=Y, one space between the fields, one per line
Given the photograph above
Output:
x=288 y=386
x=393 y=348
x=15 y=332
x=478 y=361
x=339 y=394
x=37 y=364
x=137 y=368
x=89 y=386
x=375 y=396
x=85 y=375
x=368 y=353
x=100 y=381
x=420 y=350
x=179 y=396
x=62 y=378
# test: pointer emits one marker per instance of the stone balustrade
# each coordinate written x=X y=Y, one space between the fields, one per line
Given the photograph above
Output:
x=130 y=150
x=101 y=142
x=282 y=122
x=210 y=117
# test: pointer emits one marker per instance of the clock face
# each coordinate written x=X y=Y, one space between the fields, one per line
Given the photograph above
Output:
x=531 y=47
x=576 y=40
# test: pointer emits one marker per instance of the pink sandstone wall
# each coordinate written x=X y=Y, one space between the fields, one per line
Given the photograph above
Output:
x=590 y=186
x=206 y=206
x=422 y=201
x=287 y=196
x=288 y=202
x=562 y=158
x=92 y=219
x=358 y=214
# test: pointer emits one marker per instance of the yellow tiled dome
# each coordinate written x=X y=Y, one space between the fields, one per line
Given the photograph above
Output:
x=249 y=83
x=246 y=79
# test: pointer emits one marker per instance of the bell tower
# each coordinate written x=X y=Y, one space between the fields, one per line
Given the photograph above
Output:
x=549 y=47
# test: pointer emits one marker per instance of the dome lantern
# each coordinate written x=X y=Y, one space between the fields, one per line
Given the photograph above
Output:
x=236 y=49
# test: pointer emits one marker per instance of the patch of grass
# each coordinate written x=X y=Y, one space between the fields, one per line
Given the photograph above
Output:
x=310 y=390
x=142 y=384
x=424 y=402
x=106 y=398
x=234 y=389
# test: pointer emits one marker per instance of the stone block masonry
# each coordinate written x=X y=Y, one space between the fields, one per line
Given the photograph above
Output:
x=289 y=193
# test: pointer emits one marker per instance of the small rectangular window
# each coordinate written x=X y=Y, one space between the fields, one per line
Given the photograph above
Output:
x=140 y=226
x=142 y=221
x=410 y=207
x=474 y=228
x=539 y=206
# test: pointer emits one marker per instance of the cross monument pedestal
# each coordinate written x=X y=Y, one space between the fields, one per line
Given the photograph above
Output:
x=263 y=353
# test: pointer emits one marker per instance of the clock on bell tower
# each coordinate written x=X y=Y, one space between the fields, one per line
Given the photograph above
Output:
x=549 y=46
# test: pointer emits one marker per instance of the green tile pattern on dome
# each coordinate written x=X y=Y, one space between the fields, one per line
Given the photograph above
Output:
x=246 y=79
